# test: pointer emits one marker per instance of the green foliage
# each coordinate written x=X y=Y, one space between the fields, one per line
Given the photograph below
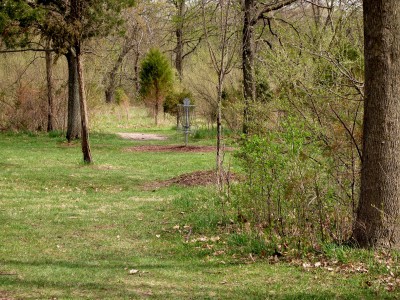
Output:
x=21 y=21
x=120 y=96
x=336 y=252
x=288 y=187
x=173 y=99
x=248 y=243
x=263 y=90
x=156 y=76
x=18 y=20
x=210 y=133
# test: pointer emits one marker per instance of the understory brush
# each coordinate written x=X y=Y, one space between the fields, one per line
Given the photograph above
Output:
x=291 y=191
x=210 y=228
x=289 y=202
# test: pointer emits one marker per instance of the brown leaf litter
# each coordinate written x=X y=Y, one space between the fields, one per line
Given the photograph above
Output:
x=197 y=178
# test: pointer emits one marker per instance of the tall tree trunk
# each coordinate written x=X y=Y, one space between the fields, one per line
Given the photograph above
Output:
x=87 y=156
x=377 y=223
x=249 y=83
x=74 y=116
x=50 y=99
x=180 y=6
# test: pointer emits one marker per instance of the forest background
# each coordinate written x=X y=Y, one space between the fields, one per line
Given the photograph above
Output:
x=294 y=84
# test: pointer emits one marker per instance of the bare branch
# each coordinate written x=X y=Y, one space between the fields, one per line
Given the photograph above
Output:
x=25 y=50
x=349 y=132
x=271 y=7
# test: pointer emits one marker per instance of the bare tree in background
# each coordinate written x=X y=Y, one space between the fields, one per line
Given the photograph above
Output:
x=222 y=42
x=253 y=12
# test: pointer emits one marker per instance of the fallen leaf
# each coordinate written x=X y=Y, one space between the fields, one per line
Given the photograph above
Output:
x=215 y=238
x=306 y=265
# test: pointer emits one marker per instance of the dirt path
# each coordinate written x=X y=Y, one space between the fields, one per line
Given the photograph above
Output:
x=142 y=136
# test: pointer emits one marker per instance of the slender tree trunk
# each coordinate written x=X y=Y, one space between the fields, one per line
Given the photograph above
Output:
x=74 y=116
x=50 y=99
x=249 y=84
x=136 y=70
x=156 y=104
x=87 y=156
x=377 y=223
x=219 y=133
x=180 y=5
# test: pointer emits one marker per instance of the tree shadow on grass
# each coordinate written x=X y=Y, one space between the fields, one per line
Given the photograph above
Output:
x=185 y=279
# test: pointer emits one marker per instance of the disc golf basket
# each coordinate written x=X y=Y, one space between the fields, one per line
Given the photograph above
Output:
x=186 y=118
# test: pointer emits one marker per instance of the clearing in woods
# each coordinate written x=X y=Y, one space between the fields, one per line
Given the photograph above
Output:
x=139 y=225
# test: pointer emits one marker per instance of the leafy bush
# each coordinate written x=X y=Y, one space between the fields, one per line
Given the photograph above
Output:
x=172 y=101
x=289 y=190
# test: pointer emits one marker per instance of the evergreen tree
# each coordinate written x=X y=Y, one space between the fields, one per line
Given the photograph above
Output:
x=156 y=78
x=67 y=24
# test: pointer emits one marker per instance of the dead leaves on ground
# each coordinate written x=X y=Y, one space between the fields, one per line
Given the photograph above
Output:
x=381 y=271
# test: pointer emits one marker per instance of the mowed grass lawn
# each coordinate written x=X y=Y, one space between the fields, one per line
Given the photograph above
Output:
x=72 y=231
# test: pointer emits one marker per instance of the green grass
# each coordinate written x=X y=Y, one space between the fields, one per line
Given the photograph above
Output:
x=72 y=231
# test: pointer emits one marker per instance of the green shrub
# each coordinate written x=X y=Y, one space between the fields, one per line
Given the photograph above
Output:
x=288 y=190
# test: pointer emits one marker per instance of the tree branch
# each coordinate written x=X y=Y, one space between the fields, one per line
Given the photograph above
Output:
x=349 y=132
x=25 y=50
x=271 y=7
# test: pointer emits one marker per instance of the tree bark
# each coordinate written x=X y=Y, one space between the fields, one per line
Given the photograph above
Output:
x=249 y=83
x=73 y=123
x=180 y=6
x=50 y=99
x=377 y=216
x=87 y=156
